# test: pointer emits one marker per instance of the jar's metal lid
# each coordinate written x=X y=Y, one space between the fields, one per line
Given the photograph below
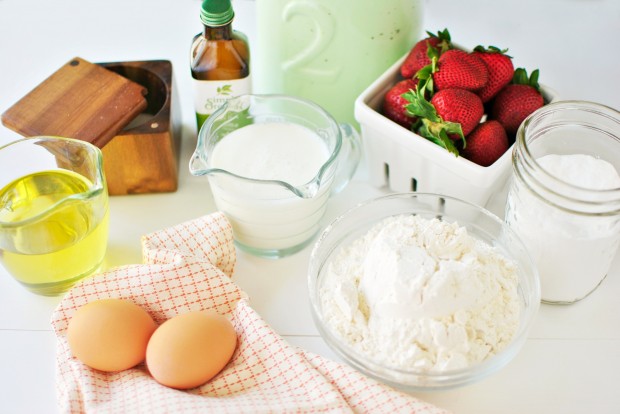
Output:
x=216 y=12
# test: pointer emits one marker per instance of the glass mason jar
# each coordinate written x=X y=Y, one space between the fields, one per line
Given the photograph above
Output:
x=564 y=200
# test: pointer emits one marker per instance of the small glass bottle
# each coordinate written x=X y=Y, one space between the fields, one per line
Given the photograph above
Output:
x=219 y=60
x=564 y=200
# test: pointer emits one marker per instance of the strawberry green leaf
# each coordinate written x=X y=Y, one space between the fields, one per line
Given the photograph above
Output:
x=410 y=95
x=534 y=79
x=432 y=53
x=424 y=131
x=448 y=144
x=520 y=78
x=417 y=124
x=491 y=49
x=446 y=41
x=441 y=34
x=455 y=128
x=425 y=73
x=419 y=106
x=430 y=131
x=444 y=35
x=430 y=125
x=428 y=86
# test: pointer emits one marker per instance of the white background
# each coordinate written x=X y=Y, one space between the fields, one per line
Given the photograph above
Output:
x=571 y=361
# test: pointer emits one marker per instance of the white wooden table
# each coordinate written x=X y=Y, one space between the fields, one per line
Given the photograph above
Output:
x=571 y=360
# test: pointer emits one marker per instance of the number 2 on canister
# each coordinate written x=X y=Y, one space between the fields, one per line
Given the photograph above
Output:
x=324 y=28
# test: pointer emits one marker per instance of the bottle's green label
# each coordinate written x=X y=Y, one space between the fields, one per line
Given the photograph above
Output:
x=210 y=95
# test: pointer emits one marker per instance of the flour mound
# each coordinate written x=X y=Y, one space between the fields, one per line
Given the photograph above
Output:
x=421 y=294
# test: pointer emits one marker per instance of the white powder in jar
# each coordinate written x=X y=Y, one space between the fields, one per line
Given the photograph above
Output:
x=572 y=251
x=581 y=170
x=421 y=294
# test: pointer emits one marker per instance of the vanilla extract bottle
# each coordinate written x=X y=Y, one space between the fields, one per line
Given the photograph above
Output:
x=220 y=60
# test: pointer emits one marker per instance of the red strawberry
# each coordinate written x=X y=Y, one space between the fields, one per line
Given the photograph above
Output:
x=451 y=114
x=418 y=56
x=517 y=100
x=455 y=69
x=394 y=103
x=486 y=143
x=500 y=69
x=460 y=106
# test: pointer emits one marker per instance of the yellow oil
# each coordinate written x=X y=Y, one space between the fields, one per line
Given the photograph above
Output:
x=47 y=242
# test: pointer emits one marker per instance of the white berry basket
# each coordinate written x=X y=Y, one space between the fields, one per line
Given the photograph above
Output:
x=405 y=161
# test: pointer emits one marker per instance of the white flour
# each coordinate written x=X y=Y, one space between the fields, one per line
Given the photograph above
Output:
x=421 y=294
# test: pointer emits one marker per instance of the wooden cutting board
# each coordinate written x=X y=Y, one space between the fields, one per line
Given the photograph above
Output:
x=80 y=100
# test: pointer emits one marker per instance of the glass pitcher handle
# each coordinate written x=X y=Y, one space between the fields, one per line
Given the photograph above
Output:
x=349 y=157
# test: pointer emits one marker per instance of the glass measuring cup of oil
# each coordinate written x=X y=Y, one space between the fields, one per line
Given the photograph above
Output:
x=53 y=212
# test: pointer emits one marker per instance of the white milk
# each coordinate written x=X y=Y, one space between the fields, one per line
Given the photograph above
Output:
x=270 y=216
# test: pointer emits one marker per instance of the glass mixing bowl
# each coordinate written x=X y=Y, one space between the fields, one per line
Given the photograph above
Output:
x=480 y=224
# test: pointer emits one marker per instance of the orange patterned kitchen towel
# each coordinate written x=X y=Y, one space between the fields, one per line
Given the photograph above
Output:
x=189 y=267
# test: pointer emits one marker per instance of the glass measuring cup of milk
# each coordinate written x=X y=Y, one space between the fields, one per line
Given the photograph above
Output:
x=272 y=162
x=53 y=212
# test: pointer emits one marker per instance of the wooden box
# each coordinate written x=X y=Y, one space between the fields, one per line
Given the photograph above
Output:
x=128 y=109
x=144 y=156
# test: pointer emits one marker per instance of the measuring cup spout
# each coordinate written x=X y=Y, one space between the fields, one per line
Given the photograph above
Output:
x=309 y=190
x=197 y=166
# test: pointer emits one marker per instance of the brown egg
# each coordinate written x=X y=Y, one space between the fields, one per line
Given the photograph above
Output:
x=189 y=349
x=110 y=334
